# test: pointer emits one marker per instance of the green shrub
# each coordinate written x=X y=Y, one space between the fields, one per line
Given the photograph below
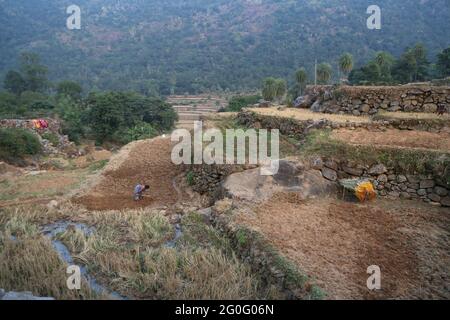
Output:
x=18 y=143
x=140 y=131
x=238 y=102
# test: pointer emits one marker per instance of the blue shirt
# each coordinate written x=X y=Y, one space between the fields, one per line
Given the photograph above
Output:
x=138 y=189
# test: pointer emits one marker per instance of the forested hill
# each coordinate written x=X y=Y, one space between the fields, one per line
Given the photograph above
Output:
x=201 y=45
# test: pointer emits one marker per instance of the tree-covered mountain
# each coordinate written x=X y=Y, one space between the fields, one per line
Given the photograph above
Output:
x=200 y=45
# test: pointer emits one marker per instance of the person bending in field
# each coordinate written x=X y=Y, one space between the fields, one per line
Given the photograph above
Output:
x=139 y=190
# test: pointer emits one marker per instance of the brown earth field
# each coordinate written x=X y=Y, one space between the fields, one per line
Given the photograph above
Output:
x=148 y=162
x=334 y=242
x=395 y=138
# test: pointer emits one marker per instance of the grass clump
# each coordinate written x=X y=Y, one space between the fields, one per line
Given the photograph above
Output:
x=28 y=261
x=99 y=165
x=128 y=251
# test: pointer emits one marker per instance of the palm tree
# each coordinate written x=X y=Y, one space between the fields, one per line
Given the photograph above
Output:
x=280 y=88
x=324 y=72
x=269 y=90
x=385 y=61
x=301 y=77
x=346 y=63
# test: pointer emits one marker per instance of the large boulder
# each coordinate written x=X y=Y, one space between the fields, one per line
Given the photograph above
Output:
x=250 y=185
x=318 y=106
x=303 y=102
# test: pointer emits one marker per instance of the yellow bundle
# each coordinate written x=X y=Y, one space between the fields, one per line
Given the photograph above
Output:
x=365 y=191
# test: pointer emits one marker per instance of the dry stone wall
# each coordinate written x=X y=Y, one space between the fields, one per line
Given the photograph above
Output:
x=391 y=184
x=299 y=129
x=371 y=100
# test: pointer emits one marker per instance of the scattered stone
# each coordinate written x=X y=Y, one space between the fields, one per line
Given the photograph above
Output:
x=53 y=205
x=412 y=179
x=434 y=197
x=329 y=174
x=353 y=171
x=317 y=107
x=445 y=201
x=317 y=164
x=405 y=195
x=440 y=191
x=401 y=179
x=175 y=219
x=394 y=195
x=426 y=184
x=222 y=206
x=430 y=108
x=377 y=170
x=331 y=164
x=365 y=108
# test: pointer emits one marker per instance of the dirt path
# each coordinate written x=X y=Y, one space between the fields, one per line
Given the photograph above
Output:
x=395 y=138
x=147 y=162
x=335 y=241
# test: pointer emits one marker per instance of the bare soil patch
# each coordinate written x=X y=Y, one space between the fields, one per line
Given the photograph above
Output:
x=395 y=138
x=148 y=162
x=26 y=188
x=335 y=241
x=305 y=114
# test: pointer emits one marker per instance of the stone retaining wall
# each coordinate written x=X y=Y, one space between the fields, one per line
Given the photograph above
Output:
x=371 y=100
x=207 y=179
x=391 y=184
x=299 y=129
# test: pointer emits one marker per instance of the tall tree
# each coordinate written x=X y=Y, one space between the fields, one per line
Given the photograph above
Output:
x=324 y=73
x=14 y=82
x=269 y=89
x=412 y=65
x=346 y=63
x=443 y=63
x=385 y=61
x=70 y=89
x=34 y=73
x=301 y=77
x=422 y=63
x=280 y=88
